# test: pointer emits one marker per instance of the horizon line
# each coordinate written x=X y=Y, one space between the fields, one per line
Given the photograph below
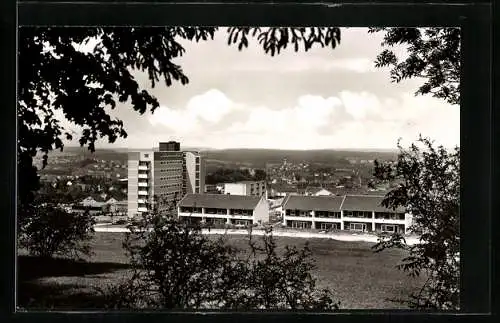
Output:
x=239 y=148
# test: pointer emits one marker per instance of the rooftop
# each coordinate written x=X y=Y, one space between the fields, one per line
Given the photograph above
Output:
x=314 y=203
x=366 y=203
x=220 y=201
x=315 y=190
x=337 y=203
x=245 y=182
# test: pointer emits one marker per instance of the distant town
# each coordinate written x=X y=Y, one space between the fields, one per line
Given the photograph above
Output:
x=224 y=188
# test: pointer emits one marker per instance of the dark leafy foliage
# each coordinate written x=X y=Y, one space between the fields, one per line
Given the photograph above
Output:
x=433 y=54
x=176 y=267
x=48 y=231
x=260 y=175
x=229 y=175
x=54 y=195
x=55 y=76
x=273 y=40
x=429 y=188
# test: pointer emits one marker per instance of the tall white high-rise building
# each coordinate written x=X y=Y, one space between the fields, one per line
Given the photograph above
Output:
x=194 y=173
x=160 y=179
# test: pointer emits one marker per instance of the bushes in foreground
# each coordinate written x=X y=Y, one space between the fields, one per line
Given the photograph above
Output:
x=46 y=230
x=174 y=266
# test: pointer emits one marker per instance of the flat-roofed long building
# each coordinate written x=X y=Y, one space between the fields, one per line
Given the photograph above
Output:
x=362 y=213
x=366 y=213
x=218 y=209
x=313 y=212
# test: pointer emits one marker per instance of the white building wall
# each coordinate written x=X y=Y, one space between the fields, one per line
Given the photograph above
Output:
x=195 y=173
x=261 y=211
x=202 y=174
x=408 y=222
x=235 y=188
x=132 y=188
x=190 y=176
x=323 y=192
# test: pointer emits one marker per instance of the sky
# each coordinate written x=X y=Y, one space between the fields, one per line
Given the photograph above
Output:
x=321 y=99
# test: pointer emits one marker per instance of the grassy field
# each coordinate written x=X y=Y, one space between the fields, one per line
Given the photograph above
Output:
x=359 y=278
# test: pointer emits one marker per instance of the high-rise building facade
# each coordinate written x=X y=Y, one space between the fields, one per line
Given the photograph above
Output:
x=160 y=179
x=194 y=173
x=170 y=146
x=140 y=177
x=155 y=179
x=168 y=178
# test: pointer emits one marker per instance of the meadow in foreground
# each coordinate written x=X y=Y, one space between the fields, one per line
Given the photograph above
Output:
x=359 y=278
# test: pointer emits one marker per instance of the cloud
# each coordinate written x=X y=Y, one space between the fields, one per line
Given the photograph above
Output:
x=322 y=98
x=348 y=120
x=314 y=111
x=211 y=106
x=360 y=105
x=310 y=113
x=207 y=108
x=358 y=65
x=295 y=64
x=173 y=119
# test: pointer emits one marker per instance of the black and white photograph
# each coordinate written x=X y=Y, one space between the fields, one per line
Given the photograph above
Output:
x=238 y=168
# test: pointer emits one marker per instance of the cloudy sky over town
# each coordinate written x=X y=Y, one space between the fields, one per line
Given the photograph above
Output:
x=321 y=99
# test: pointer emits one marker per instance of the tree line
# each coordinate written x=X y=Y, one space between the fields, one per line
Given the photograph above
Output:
x=231 y=175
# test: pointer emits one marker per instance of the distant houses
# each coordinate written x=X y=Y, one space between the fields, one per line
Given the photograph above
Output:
x=282 y=190
x=96 y=205
x=317 y=191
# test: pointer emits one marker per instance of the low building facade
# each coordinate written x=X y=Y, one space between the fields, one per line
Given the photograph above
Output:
x=250 y=188
x=211 y=189
x=360 y=213
x=218 y=209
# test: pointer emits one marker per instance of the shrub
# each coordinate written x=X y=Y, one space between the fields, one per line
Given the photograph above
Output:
x=281 y=281
x=174 y=266
x=46 y=230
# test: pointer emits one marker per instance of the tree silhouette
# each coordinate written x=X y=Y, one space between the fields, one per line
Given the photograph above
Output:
x=429 y=177
x=433 y=54
x=429 y=189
